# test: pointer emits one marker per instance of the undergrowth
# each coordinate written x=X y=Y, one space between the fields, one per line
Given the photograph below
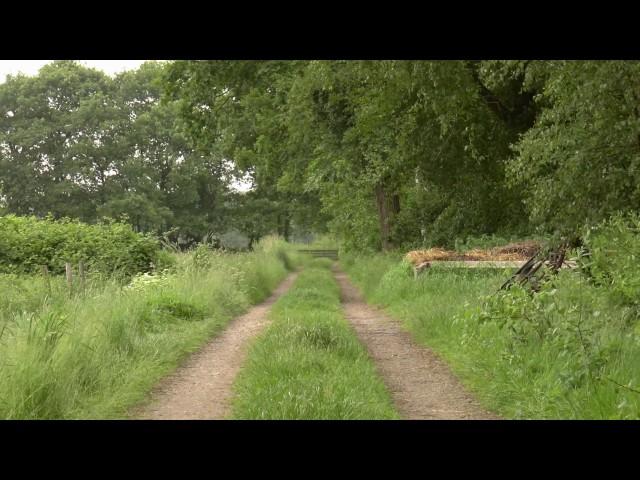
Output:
x=571 y=350
x=93 y=354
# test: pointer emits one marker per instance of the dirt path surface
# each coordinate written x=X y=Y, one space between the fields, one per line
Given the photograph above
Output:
x=422 y=386
x=201 y=388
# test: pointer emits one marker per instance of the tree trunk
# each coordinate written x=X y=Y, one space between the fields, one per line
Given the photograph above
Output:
x=383 y=216
x=637 y=97
x=395 y=207
x=286 y=227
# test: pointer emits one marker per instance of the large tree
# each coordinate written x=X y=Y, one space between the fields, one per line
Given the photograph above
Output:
x=55 y=154
x=239 y=110
x=580 y=161
x=75 y=142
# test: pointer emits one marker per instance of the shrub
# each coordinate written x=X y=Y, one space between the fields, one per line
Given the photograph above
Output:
x=26 y=243
x=614 y=250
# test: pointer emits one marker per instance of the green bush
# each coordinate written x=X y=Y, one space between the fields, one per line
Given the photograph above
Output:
x=165 y=260
x=580 y=333
x=614 y=251
x=26 y=243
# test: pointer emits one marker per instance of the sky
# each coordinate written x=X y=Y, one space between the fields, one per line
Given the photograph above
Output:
x=31 y=67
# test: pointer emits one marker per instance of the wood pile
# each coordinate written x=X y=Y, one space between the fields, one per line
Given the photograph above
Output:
x=520 y=251
x=532 y=272
x=528 y=257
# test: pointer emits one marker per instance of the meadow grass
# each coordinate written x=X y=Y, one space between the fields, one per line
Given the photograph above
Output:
x=558 y=354
x=95 y=354
x=309 y=364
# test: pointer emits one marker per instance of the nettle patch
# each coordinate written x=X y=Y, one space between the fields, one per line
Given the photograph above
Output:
x=589 y=318
x=146 y=281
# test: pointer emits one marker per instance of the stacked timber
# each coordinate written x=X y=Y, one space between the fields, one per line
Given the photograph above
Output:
x=527 y=257
x=318 y=253
x=508 y=256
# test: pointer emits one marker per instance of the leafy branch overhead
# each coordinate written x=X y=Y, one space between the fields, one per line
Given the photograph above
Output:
x=383 y=154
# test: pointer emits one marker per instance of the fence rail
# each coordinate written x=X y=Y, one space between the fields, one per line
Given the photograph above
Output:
x=332 y=254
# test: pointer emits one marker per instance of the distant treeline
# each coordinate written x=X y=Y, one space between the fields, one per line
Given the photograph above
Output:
x=384 y=154
x=77 y=143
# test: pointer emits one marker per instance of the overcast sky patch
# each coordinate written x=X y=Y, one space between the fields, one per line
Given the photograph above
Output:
x=31 y=67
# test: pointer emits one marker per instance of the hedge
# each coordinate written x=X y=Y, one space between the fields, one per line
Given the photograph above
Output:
x=27 y=243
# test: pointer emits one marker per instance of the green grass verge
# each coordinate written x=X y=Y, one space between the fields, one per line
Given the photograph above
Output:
x=96 y=354
x=553 y=355
x=309 y=364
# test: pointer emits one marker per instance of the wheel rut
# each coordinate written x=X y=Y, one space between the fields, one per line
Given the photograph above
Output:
x=201 y=388
x=421 y=384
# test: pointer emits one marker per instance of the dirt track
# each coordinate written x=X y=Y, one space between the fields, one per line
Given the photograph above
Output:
x=201 y=388
x=422 y=385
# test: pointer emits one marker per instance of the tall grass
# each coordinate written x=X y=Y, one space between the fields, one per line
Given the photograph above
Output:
x=570 y=351
x=309 y=364
x=99 y=352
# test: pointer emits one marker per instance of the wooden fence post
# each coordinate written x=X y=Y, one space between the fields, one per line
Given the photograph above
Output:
x=69 y=273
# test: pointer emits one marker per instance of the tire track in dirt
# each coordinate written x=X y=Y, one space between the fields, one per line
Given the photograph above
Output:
x=202 y=387
x=422 y=386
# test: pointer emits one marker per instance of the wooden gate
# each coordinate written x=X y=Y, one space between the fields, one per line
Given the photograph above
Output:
x=332 y=254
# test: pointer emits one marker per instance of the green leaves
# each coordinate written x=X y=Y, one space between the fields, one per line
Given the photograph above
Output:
x=614 y=252
x=385 y=153
x=27 y=243
x=579 y=161
x=77 y=143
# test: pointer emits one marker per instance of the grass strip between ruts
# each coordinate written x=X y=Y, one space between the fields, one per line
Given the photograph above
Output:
x=309 y=364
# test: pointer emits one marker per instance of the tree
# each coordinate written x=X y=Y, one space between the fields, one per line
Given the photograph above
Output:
x=77 y=143
x=239 y=111
x=580 y=162
x=49 y=147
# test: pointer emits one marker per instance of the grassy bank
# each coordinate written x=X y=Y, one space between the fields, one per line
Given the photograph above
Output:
x=97 y=353
x=570 y=351
x=309 y=364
